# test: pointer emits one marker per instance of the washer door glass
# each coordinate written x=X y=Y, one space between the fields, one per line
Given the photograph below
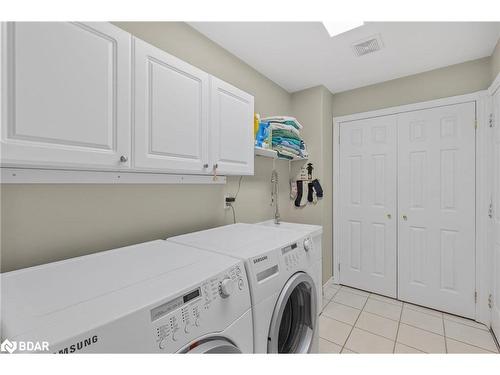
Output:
x=294 y=317
x=214 y=345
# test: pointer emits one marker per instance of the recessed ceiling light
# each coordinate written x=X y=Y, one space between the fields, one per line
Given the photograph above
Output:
x=338 y=27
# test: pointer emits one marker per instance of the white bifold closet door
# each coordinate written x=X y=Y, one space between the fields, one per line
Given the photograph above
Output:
x=368 y=204
x=495 y=215
x=407 y=206
x=436 y=202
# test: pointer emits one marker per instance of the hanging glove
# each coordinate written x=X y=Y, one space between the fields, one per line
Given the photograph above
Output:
x=299 y=193
x=310 y=192
x=317 y=188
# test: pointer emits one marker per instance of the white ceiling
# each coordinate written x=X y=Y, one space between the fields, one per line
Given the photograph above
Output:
x=298 y=55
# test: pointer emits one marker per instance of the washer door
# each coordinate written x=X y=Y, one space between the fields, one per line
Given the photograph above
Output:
x=212 y=345
x=294 y=317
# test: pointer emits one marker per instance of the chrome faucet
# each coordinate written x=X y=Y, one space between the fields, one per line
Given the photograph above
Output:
x=275 y=196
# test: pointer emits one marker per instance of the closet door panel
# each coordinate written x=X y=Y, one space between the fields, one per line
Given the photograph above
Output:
x=436 y=173
x=495 y=215
x=368 y=204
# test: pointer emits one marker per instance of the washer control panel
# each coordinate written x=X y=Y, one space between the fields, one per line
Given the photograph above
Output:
x=294 y=253
x=187 y=316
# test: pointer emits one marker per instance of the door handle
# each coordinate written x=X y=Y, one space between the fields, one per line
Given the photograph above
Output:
x=405 y=217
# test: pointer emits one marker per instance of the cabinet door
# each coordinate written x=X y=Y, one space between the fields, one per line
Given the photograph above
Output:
x=231 y=129
x=171 y=112
x=65 y=95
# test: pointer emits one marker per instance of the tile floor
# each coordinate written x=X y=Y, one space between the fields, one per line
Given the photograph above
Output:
x=354 y=321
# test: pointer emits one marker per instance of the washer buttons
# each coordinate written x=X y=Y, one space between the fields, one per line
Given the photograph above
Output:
x=187 y=328
x=240 y=284
x=174 y=335
x=197 y=322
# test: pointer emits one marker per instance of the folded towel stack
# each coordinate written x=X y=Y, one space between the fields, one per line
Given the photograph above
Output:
x=286 y=140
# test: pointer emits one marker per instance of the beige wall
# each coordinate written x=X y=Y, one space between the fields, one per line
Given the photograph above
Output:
x=313 y=107
x=43 y=223
x=440 y=83
x=495 y=61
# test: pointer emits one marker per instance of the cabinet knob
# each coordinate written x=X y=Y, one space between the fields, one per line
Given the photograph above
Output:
x=405 y=217
x=205 y=165
x=123 y=159
x=389 y=216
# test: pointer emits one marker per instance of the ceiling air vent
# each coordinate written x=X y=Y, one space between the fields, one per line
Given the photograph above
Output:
x=368 y=45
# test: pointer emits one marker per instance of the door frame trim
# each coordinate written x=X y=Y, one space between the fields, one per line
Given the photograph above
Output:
x=483 y=190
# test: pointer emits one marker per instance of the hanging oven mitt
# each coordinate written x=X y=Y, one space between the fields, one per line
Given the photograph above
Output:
x=317 y=188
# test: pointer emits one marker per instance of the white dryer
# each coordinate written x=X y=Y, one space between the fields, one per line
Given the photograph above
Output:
x=280 y=268
x=315 y=231
x=155 y=297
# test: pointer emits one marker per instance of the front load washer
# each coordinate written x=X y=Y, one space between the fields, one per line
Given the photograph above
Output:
x=280 y=269
x=155 y=297
x=315 y=231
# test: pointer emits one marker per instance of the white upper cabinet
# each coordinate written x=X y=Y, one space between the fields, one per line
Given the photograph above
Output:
x=90 y=96
x=65 y=95
x=171 y=113
x=231 y=129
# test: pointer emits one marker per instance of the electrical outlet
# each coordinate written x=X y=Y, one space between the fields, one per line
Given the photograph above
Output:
x=228 y=200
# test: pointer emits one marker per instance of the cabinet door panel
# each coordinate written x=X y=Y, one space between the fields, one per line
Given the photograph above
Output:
x=171 y=112
x=66 y=97
x=231 y=129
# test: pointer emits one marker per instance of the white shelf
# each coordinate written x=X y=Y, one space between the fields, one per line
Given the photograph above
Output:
x=272 y=154
x=59 y=176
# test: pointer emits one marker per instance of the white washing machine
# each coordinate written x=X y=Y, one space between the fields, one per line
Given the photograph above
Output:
x=280 y=269
x=155 y=297
x=315 y=231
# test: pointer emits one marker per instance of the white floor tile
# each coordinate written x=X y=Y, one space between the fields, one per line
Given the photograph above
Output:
x=423 y=340
x=333 y=330
x=365 y=342
x=404 y=349
x=350 y=299
x=386 y=299
x=329 y=292
x=387 y=310
x=457 y=347
x=326 y=346
x=424 y=310
x=467 y=322
x=347 y=351
x=326 y=301
x=343 y=313
x=469 y=335
x=378 y=325
x=421 y=320
x=359 y=292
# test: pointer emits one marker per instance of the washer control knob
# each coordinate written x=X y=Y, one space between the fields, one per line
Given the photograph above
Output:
x=226 y=287
x=174 y=335
x=240 y=284
x=187 y=328
x=307 y=244
x=197 y=322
